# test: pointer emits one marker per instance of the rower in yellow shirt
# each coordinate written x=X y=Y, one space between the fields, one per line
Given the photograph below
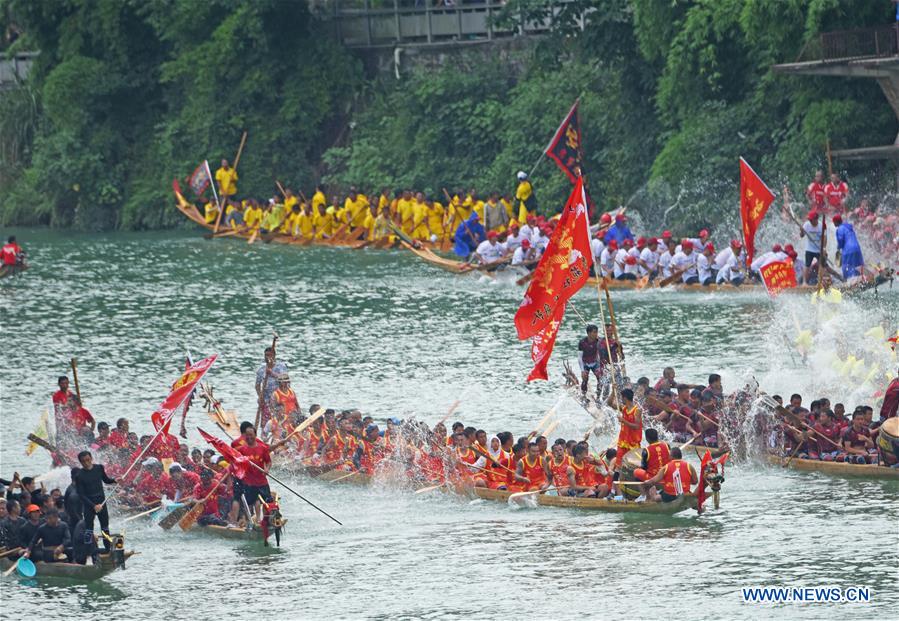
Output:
x=226 y=177
x=272 y=220
x=383 y=199
x=210 y=211
x=506 y=202
x=290 y=221
x=356 y=206
x=252 y=217
x=305 y=226
x=323 y=222
x=290 y=199
x=420 y=215
x=436 y=218
x=405 y=208
x=379 y=227
x=524 y=194
x=318 y=198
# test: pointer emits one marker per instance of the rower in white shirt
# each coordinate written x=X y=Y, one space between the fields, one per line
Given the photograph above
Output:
x=620 y=257
x=728 y=264
x=775 y=254
x=539 y=240
x=515 y=236
x=524 y=255
x=665 y=258
x=704 y=265
x=607 y=259
x=685 y=263
x=490 y=250
x=649 y=258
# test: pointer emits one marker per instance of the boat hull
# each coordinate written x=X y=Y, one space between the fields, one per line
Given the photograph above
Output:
x=73 y=571
x=840 y=469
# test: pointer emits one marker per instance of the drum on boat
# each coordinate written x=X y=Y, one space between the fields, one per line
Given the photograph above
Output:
x=629 y=463
x=888 y=441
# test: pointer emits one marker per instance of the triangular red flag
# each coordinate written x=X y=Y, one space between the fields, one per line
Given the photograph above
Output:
x=562 y=271
x=238 y=463
x=755 y=198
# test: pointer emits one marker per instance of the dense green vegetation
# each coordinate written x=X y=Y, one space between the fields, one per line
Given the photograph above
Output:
x=130 y=93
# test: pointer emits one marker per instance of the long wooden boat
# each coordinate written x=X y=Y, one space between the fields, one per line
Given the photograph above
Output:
x=543 y=500
x=351 y=240
x=840 y=469
x=74 y=571
x=253 y=533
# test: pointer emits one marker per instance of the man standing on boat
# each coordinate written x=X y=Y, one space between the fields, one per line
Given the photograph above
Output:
x=254 y=484
x=589 y=358
x=89 y=485
x=226 y=177
x=812 y=230
x=12 y=253
x=267 y=383
x=631 y=419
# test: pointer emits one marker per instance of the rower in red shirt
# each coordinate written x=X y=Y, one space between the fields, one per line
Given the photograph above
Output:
x=676 y=477
x=183 y=481
x=531 y=470
x=12 y=253
x=254 y=484
x=827 y=429
x=558 y=464
x=815 y=192
x=836 y=192
x=857 y=441
x=631 y=419
x=118 y=437
x=153 y=483
x=210 y=486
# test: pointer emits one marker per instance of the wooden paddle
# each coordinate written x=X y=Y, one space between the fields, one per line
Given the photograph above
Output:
x=535 y=491
x=13 y=568
x=300 y=428
x=190 y=518
x=74 y=363
x=174 y=516
x=155 y=508
x=543 y=422
x=345 y=476
x=674 y=276
x=430 y=488
x=10 y=551
x=450 y=412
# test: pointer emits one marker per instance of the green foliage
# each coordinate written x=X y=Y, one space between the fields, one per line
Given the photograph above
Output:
x=136 y=92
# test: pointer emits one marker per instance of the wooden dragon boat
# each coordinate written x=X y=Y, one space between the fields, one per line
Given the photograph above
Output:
x=74 y=571
x=350 y=240
x=543 y=500
x=839 y=469
x=254 y=533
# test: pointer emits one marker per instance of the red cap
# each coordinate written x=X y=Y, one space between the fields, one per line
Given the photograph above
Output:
x=666 y=235
x=620 y=217
x=605 y=218
x=641 y=241
x=710 y=247
x=735 y=243
x=525 y=243
x=792 y=254
x=704 y=233
x=838 y=219
x=31 y=508
x=813 y=214
x=531 y=219
x=613 y=244
x=629 y=260
x=789 y=248
x=652 y=241
x=628 y=243
x=776 y=248
x=492 y=235
x=686 y=245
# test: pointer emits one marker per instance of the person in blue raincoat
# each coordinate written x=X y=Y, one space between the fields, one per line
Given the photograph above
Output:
x=618 y=231
x=850 y=251
x=468 y=235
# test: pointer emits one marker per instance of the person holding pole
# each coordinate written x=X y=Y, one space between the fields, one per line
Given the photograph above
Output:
x=89 y=482
x=226 y=177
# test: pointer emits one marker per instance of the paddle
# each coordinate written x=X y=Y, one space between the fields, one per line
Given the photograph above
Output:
x=300 y=428
x=291 y=490
x=536 y=491
x=543 y=422
x=11 y=551
x=174 y=516
x=430 y=488
x=674 y=276
x=450 y=412
x=190 y=518
x=346 y=476
x=155 y=508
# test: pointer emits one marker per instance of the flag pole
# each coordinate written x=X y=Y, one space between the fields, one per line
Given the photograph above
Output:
x=599 y=297
x=216 y=195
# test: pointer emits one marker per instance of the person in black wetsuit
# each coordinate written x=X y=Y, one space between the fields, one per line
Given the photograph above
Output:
x=50 y=539
x=72 y=502
x=89 y=482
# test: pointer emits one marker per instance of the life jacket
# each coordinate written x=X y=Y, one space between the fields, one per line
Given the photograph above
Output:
x=496 y=475
x=288 y=400
x=560 y=471
x=582 y=474
x=676 y=479
x=657 y=455
x=629 y=437
x=535 y=473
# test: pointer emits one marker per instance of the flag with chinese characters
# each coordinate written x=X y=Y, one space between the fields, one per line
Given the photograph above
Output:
x=201 y=178
x=542 y=346
x=565 y=147
x=181 y=390
x=778 y=276
x=755 y=198
x=562 y=271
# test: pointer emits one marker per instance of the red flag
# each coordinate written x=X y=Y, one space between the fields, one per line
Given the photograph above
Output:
x=755 y=198
x=700 y=491
x=201 y=178
x=181 y=390
x=565 y=147
x=542 y=345
x=238 y=463
x=778 y=276
x=563 y=268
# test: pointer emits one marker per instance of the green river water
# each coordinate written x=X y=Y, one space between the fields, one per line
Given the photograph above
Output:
x=390 y=335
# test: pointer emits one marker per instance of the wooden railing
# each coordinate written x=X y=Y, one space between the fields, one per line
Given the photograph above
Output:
x=389 y=23
x=876 y=42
